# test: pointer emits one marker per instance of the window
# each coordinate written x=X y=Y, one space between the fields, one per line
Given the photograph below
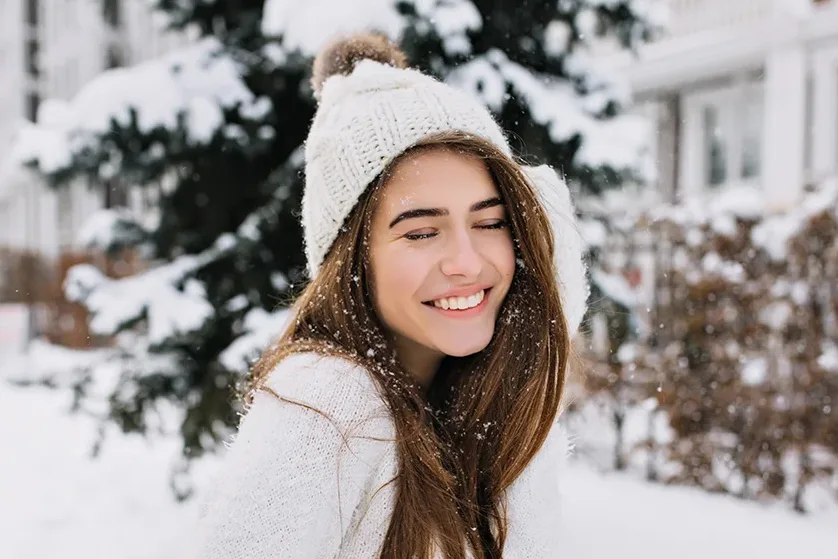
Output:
x=65 y=215
x=715 y=164
x=32 y=12
x=722 y=137
x=33 y=100
x=751 y=127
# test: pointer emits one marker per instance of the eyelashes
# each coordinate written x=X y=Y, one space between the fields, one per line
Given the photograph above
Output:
x=419 y=236
x=500 y=224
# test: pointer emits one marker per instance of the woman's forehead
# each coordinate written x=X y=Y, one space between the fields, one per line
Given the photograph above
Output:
x=437 y=177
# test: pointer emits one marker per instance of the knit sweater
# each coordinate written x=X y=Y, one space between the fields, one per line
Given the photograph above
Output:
x=295 y=484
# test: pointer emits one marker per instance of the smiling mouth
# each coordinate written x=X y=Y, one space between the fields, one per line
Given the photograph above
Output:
x=459 y=303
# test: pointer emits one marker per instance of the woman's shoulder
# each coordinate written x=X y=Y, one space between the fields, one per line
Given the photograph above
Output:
x=314 y=444
x=310 y=370
x=334 y=385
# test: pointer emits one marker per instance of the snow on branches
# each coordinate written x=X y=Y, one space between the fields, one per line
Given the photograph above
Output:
x=128 y=117
x=551 y=73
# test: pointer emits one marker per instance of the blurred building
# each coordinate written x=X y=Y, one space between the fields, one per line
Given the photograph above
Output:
x=50 y=49
x=742 y=92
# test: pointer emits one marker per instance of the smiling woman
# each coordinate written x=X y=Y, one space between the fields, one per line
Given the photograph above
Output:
x=409 y=408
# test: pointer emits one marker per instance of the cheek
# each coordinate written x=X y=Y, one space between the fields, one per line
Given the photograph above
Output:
x=502 y=254
x=398 y=276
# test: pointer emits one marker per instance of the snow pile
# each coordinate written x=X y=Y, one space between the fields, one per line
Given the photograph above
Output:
x=713 y=264
x=776 y=315
x=742 y=202
x=188 y=89
x=45 y=144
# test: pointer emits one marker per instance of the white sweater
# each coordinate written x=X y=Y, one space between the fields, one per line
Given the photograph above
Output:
x=290 y=487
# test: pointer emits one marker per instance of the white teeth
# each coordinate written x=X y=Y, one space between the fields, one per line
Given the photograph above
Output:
x=461 y=303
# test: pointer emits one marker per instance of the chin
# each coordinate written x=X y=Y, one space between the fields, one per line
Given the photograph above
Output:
x=464 y=348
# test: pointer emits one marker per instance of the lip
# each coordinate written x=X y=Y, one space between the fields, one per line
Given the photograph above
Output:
x=465 y=313
x=462 y=292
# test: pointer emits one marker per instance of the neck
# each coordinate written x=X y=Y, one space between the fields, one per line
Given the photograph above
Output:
x=421 y=362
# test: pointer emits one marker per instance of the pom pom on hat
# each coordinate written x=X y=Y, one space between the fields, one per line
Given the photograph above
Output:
x=341 y=56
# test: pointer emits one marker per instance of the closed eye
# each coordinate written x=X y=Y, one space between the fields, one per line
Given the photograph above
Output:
x=494 y=224
x=488 y=224
x=420 y=236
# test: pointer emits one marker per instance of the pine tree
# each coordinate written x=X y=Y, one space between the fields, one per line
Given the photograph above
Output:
x=213 y=136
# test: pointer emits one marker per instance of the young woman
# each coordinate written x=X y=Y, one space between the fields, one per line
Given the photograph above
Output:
x=408 y=410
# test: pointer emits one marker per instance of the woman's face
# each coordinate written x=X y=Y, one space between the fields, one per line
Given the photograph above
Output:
x=441 y=253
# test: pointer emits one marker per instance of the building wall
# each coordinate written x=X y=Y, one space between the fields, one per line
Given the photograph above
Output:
x=72 y=36
x=11 y=66
x=747 y=93
x=822 y=154
x=74 y=41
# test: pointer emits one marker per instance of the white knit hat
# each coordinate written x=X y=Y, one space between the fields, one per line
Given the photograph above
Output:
x=370 y=111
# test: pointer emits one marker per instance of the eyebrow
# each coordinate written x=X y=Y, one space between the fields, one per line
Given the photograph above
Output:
x=437 y=212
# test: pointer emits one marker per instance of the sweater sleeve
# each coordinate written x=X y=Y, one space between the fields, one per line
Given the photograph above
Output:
x=292 y=479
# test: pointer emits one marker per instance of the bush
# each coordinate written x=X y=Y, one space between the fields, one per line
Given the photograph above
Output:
x=739 y=351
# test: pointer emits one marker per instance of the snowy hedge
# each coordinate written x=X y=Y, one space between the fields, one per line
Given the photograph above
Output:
x=740 y=356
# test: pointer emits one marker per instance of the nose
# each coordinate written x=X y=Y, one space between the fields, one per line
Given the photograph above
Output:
x=461 y=257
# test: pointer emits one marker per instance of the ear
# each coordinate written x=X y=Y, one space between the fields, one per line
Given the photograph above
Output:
x=568 y=257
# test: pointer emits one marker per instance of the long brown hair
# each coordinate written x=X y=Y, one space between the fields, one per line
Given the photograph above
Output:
x=484 y=417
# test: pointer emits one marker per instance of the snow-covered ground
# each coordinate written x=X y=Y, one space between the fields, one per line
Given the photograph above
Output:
x=57 y=502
